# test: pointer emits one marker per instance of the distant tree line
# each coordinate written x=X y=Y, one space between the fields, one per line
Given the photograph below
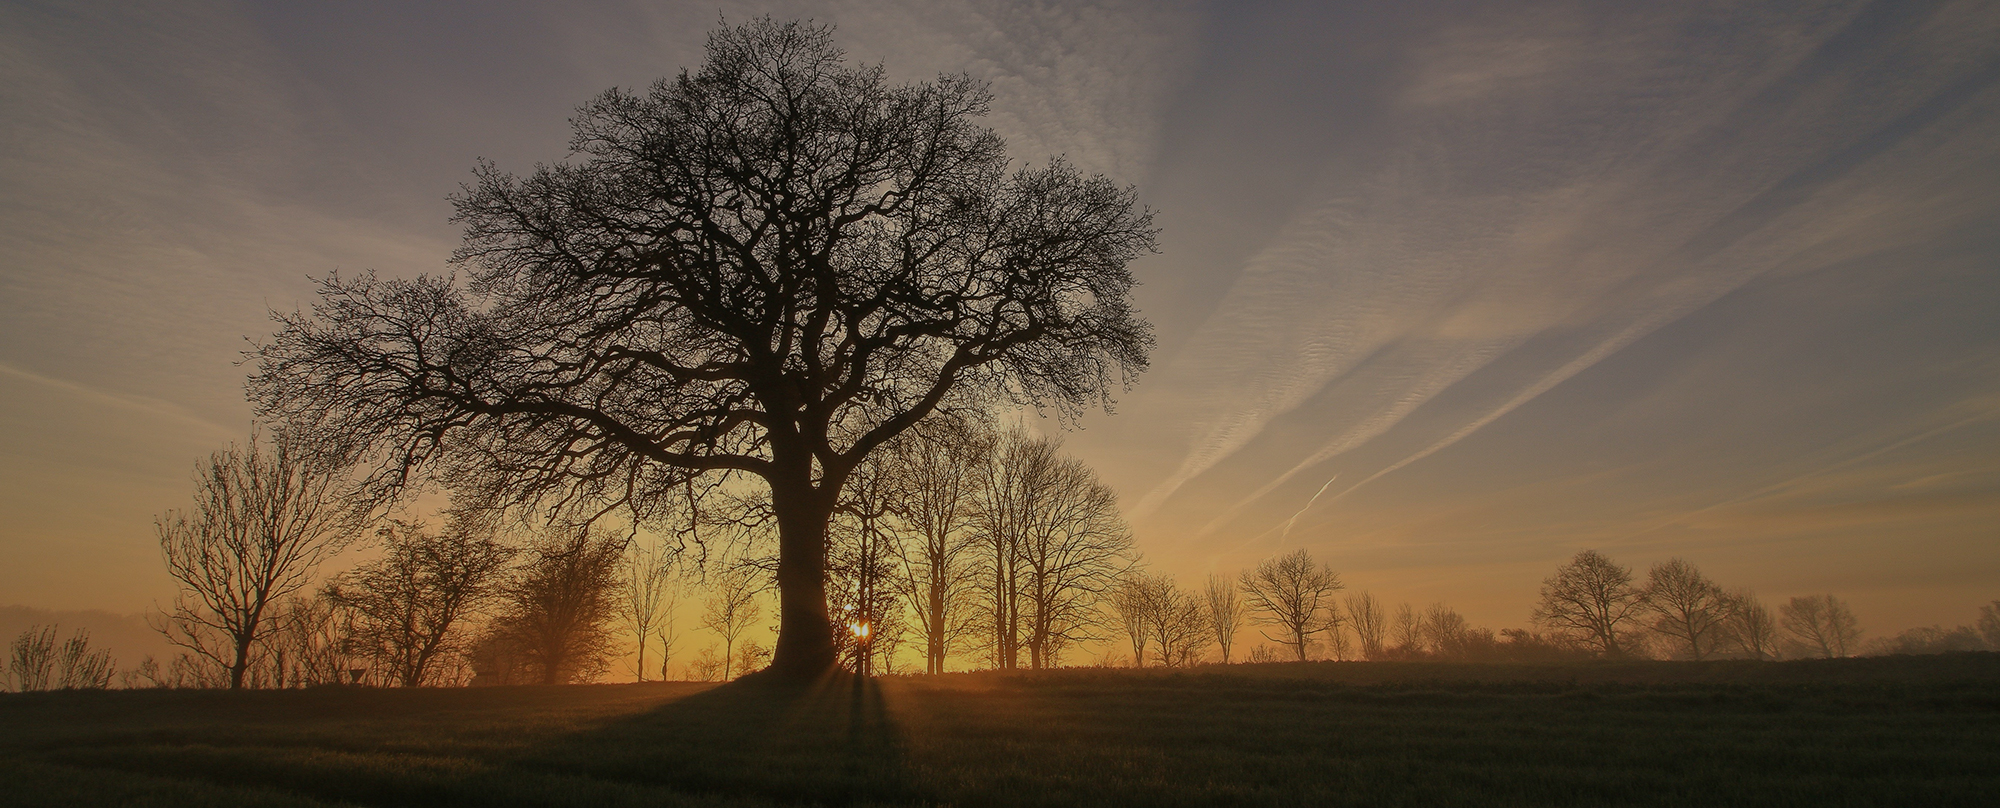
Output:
x=1591 y=607
x=960 y=541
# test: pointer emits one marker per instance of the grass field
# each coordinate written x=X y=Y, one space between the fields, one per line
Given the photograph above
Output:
x=1908 y=731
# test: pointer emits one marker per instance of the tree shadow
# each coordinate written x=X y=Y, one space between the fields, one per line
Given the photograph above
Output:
x=827 y=741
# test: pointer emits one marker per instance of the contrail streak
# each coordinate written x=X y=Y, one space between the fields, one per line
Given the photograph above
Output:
x=1308 y=505
x=1780 y=486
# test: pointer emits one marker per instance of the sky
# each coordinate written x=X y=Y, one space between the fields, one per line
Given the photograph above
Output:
x=1447 y=291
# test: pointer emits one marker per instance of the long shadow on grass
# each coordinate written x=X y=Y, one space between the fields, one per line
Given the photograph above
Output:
x=752 y=743
x=828 y=742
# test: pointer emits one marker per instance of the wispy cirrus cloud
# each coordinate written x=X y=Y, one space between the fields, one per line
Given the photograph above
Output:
x=1654 y=176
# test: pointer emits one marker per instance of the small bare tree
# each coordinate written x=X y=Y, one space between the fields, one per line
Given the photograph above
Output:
x=1370 y=623
x=1182 y=629
x=732 y=606
x=1059 y=546
x=80 y=667
x=1000 y=520
x=1592 y=600
x=1819 y=625
x=650 y=595
x=751 y=658
x=31 y=659
x=1335 y=628
x=667 y=632
x=1131 y=601
x=1406 y=632
x=1293 y=593
x=409 y=607
x=264 y=518
x=1225 y=612
x=1750 y=629
x=1178 y=621
x=559 y=607
x=864 y=585
x=316 y=638
x=1688 y=608
x=1442 y=631
x=706 y=666
x=938 y=465
x=36 y=661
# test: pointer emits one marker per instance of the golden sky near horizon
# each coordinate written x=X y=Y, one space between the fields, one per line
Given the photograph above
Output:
x=1447 y=291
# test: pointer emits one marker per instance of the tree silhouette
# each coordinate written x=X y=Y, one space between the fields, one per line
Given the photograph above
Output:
x=559 y=607
x=732 y=606
x=1989 y=624
x=768 y=267
x=1131 y=601
x=1750 y=627
x=1224 y=609
x=1819 y=625
x=264 y=518
x=1294 y=593
x=1180 y=625
x=650 y=593
x=409 y=607
x=1058 y=546
x=863 y=546
x=938 y=465
x=1370 y=623
x=1687 y=607
x=1592 y=599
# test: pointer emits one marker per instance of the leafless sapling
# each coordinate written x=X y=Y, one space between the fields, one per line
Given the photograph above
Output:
x=265 y=516
x=1070 y=547
x=1370 y=623
x=1750 y=629
x=1225 y=612
x=651 y=590
x=732 y=607
x=938 y=466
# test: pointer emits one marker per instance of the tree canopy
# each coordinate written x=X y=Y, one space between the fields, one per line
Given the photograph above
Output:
x=768 y=267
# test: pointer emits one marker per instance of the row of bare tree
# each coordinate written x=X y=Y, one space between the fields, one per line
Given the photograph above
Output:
x=1591 y=607
x=963 y=539
x=958 y=540
x=433 y=607
x=1594 y=602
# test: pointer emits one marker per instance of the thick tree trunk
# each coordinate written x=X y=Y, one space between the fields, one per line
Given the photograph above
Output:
x=805 y=637
x=241 y=665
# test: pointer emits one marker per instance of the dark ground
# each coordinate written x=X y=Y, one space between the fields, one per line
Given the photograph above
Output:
x=1902 y=730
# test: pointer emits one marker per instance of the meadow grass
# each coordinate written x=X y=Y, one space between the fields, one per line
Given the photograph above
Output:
x=1908 y=730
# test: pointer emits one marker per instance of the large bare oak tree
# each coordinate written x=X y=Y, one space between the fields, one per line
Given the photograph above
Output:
x=768 y=267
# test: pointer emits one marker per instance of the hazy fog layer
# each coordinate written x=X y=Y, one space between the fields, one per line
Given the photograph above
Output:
x=1493 y=282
